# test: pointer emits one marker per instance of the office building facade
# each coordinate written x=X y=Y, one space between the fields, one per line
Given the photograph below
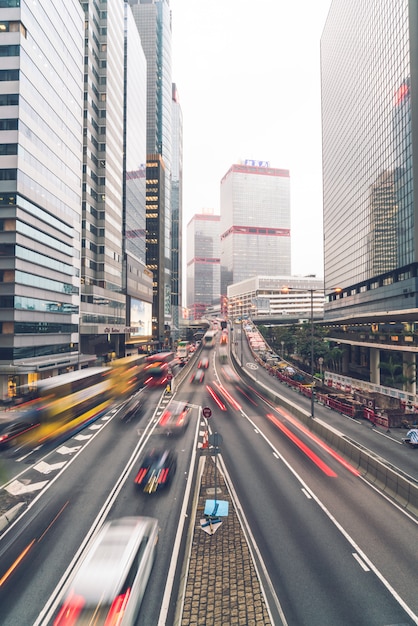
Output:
x=153 y=20
x=370 y=157
x=255 y=222
x=137 y=277
x=277 y=297
x=176 y=216
x=103 y=302
x=203 y=263
x=41 y=134
x=369 y=75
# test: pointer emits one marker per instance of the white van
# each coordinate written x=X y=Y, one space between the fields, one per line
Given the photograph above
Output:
x=110 y=582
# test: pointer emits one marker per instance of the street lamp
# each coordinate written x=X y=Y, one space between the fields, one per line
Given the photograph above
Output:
x=312 y=358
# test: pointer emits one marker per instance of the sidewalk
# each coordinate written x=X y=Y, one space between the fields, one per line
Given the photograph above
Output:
x=222 y=587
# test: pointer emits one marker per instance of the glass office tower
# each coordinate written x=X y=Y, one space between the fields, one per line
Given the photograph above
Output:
x=153 y=20
x=103 y=302
x=176 y=214
x=138 y=279
x=370 y=150
x=41 y=122
x=255 y=222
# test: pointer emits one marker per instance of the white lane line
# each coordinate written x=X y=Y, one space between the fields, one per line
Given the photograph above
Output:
x=361 y=562
x=307 y=494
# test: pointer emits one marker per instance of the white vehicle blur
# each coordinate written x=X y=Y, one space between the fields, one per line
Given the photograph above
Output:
x=110 y=582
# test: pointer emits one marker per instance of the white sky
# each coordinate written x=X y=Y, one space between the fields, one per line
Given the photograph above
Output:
x=248 y=78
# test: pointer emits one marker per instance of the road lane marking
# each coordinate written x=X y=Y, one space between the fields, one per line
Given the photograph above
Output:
x=47 y=468
x=17 y=488
x=361 y=562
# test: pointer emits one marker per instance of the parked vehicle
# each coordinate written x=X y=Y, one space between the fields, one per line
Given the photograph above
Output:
x=411 y=438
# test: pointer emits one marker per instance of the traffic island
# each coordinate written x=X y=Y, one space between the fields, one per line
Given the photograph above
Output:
x=222 y=587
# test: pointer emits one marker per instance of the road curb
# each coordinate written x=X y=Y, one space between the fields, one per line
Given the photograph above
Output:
x=10 y=515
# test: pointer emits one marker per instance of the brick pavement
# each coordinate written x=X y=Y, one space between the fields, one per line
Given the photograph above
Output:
x=222 y=587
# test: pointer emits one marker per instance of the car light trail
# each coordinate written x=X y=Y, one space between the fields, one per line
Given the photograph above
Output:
x=319 y=442
x=309 y=453
x=246 y=395
x=16 y=563
x=215 y=397
x=54 y=520
x=228 y=396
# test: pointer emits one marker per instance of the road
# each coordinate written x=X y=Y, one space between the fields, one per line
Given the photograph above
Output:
x=330 y=548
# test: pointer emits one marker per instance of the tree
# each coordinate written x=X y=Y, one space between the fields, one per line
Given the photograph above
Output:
x=392 y=372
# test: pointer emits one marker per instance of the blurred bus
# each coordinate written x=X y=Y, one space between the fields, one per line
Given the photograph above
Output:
x=128 y=375
x=183 y=350
x=158 y=368
x=209 y=339
x=63 y=405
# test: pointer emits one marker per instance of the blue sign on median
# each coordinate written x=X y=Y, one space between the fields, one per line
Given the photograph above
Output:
x=218 y=508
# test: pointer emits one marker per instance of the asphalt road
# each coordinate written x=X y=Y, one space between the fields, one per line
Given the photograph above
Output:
x=330 y=549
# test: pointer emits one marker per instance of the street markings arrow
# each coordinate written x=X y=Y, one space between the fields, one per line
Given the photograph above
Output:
x=17 y=488
x=46 y=468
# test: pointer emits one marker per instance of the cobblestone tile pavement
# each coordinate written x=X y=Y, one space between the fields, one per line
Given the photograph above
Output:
x=222 y=587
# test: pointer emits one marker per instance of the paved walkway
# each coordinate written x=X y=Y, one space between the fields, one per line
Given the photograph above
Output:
x=222 y=587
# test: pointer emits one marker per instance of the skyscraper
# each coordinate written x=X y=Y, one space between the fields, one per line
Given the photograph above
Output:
x=103 y=301
x=255 y=222
x=137 y=277
x=370 y=146
x=41 y=118
x=203 y=263
x=153 y=20
x=176 y=214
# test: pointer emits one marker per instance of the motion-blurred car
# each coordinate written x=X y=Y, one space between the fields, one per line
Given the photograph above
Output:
x=198 y=376
x=203 y=363
x=110 y=582
x=175 y=418
x=157 y=470
x=15 y=433
x=230 y=374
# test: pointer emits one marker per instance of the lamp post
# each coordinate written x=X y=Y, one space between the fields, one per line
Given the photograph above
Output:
x=241 y=333
x=312 y=358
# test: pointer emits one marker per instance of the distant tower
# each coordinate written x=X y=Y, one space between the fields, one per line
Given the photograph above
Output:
x=255 y=222
x=203 y=263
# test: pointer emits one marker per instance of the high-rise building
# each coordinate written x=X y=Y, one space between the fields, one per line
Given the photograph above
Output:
x=255 y=222
x=176 y=215
x=137 y=277
x=203 y=263
x=369 y=79
x=103 y=301
x=41 y=134
x=153 y=20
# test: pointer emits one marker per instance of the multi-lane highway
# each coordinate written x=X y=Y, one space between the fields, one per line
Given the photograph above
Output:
x=330 y=548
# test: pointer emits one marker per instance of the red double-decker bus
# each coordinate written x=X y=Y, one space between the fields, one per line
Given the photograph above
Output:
x=158 y=368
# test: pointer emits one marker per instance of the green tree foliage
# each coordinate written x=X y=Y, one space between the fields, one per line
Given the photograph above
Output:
x=296 y=341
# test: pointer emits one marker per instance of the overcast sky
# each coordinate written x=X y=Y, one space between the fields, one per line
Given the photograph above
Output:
x=248 y=77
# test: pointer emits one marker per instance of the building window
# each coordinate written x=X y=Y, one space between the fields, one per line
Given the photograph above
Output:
x=9 y=74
